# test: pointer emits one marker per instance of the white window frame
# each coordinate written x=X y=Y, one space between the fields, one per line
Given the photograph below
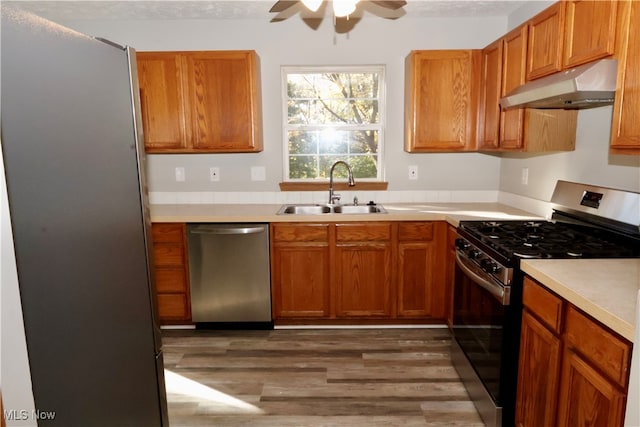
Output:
x=320 y=69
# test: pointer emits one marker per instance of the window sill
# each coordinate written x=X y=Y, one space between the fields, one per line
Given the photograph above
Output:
x=324 y=186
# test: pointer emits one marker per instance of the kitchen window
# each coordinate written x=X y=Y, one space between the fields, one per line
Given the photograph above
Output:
x=330 y=114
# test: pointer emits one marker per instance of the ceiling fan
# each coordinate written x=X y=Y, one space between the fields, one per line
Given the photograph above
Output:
x=346 y=13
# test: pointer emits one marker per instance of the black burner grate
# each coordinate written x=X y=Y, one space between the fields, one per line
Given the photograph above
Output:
x=547 y=239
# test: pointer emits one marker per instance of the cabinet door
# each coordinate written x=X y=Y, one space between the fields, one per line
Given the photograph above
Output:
x=300 y=270
x=538 y=374
x=625 y=130
x=586 y=397
x=363 y=270
x=300 y=281
x=223 y=101
x=160 y=76
x=546 y=32
x=514 y=64
x=590 y=31
x=421 y=284
x=489 y=122
x=441 y=94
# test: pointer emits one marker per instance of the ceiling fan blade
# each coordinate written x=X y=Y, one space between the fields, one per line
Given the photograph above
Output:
x=390 y=4
x=313 y=23
x=344 y=25
x=282 y=5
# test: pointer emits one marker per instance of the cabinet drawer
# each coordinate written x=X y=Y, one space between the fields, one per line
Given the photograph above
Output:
x=300 y=232
x=171 y=280
x=607 y=352
x=415 y=231
x=173 y=307
x=363 y=232
x=168 y=232
x=543 y=304
x=168 y=254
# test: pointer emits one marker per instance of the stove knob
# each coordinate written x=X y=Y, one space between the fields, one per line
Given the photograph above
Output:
x=489 y=266
x=474 y=253
x=462 y=244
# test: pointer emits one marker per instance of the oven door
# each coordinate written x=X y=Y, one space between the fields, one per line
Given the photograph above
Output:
x=486 y=330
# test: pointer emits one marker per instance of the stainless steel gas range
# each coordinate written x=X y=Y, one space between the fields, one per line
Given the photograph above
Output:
x=587 y=222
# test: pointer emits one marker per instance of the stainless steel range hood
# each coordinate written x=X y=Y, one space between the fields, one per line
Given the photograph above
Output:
x=587 y=86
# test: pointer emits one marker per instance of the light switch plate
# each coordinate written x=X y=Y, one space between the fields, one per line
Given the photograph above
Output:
x=180 y=176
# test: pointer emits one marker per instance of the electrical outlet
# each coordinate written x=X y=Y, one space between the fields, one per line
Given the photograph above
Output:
x=525 y=176
x=214 y=174
x=180 y=174
x=413 y=172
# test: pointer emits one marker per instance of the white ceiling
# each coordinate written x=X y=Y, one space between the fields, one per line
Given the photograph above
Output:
x=237 y=9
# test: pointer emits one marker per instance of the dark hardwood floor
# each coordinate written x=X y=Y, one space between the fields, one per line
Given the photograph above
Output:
x=314 y=377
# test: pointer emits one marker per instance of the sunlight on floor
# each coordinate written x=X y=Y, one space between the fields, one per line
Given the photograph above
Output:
x=176 y=383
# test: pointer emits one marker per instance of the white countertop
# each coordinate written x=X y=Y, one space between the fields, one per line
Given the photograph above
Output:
x=606 y=289
x=451 y=212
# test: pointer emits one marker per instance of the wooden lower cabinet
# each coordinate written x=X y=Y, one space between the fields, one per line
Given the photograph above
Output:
x=171 y=271
x=540 y=351
x=300 y=270
x=422 y=288
x=357 y=271
x=572 y=369
x=587 y=398
x=363 y=270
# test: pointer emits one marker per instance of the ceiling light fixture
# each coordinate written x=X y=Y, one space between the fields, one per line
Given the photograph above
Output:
x=341 y=8
x=346 y=13
x=312 y=5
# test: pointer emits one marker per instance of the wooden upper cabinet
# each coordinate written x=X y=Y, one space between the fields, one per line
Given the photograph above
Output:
x=589 y=31
x=489 y=120
x=441 y=97
x=503 y=69
x=223 y=99
x=200 y=101
x=514 y=65
x=625 y=129
x=546 y=34
x=162 y=101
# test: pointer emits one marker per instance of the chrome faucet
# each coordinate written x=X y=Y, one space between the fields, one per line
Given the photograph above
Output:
x=335 y=198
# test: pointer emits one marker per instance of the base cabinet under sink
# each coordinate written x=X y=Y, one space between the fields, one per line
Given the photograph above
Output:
x=355 y=271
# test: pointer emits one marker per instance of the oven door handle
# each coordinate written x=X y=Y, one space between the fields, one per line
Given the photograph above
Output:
x=499 y=292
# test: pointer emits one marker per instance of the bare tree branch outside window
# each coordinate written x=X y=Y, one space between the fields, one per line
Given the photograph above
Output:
x=333 y=114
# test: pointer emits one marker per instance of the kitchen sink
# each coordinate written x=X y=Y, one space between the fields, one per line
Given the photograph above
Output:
x=359 y=209
x=318 y=209
x=305 y=209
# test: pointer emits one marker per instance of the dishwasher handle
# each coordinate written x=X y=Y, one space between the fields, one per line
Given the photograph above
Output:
x=217 y=229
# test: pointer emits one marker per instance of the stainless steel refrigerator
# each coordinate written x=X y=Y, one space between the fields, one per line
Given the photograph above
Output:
x=74 y=166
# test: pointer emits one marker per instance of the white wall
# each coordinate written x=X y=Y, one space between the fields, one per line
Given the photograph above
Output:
x=373 y=41
x=590 y=163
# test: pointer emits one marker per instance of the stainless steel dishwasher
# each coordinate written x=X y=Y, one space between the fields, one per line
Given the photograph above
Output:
x=229 y=275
